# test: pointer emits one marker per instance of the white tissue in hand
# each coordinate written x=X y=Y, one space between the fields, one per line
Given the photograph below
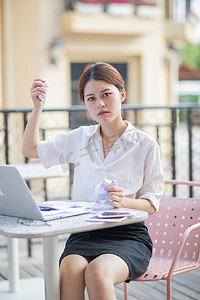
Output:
x=43 y=97
x=101 y=193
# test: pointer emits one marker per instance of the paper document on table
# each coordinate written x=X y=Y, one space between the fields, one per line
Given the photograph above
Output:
x=69 y=206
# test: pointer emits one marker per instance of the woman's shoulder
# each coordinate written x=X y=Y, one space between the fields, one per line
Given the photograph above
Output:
x=146 y=140
x=137 y=135
x=73 y=135
x=147 y=137
x=87 y=131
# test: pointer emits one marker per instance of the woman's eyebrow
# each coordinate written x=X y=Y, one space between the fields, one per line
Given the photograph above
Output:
x=104 y=90
x=89 y=94
x=107 y=89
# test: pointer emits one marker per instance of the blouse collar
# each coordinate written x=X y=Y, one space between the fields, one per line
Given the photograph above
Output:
x=130 y=134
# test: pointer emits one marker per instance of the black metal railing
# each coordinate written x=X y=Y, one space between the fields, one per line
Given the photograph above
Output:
x=176 y=128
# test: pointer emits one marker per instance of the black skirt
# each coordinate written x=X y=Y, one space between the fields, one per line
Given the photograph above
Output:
x=130 y=242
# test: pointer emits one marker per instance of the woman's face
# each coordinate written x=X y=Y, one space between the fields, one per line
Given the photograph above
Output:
x=103 y=101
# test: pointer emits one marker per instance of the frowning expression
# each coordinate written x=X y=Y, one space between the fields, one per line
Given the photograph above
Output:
x=103 y=100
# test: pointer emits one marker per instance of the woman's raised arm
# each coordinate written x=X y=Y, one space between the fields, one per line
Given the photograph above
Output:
x=31 y=134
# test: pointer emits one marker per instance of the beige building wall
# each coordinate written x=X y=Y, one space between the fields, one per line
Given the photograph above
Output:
x=144 y=53
x=28 y=32
x=27 y=48
x=7 y=58
x=1 y=70
x=28 y=27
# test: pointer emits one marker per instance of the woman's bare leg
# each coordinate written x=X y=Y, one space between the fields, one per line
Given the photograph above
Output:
x=102 y=274
x=72 y=277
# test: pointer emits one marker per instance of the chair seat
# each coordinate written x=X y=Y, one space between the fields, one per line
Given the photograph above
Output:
x=159 y=267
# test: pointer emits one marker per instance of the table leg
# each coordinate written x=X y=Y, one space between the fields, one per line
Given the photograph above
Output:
x=13 y=262
x=51 y=268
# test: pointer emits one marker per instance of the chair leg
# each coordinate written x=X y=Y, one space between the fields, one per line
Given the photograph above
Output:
x=125 y=291
x=169 y=289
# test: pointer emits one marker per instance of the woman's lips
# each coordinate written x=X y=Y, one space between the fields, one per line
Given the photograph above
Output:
x=103 y=113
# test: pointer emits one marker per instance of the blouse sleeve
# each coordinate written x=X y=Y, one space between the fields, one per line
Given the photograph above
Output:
x=59 y=150
x=153 y=180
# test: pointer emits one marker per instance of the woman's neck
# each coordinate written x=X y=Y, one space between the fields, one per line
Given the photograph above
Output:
x=110 y=134
x=115 y=129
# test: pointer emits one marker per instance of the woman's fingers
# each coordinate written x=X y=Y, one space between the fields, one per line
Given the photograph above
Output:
x=37 y=84
x=39 y=79
x=37 y=89
x=115 y=194
x=113 y=189
x=116 y=203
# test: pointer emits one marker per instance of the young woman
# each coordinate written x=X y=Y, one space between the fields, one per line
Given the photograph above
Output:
x=114 y=149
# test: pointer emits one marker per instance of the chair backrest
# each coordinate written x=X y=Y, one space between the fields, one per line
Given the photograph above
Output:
x=167 y=226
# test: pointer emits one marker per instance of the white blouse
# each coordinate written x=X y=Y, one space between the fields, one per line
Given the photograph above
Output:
x=133 y=161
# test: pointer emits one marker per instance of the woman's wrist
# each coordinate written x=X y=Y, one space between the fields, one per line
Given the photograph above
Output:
x=126 y=202
x=138 y=204
x=37 y=109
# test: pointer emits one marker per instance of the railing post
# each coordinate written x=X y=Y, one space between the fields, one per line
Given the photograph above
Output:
x=6 y=140
x=25 y=123
x=44 y=180
x=157 y=133
x=173 y=151
x=189 y=122
x=136 y=117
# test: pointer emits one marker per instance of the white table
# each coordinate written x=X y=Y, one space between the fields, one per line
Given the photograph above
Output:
x=31 y=171
x=10 y=227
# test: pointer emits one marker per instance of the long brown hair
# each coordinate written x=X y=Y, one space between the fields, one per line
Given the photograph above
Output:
x=100 y=71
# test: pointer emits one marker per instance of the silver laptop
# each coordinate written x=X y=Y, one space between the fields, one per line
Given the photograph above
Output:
x=16 y=199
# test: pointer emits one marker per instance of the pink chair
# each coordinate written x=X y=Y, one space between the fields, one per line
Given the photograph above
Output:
x=175 y=232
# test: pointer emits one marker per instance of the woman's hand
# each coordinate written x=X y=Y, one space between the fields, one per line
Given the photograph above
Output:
x=116 y=196
x=117 y=199
x=37 y=88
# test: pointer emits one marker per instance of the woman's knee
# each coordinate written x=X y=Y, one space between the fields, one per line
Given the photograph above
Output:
x=106 y=270
x=72 y=266
x=96 y=274
x=72 y=280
